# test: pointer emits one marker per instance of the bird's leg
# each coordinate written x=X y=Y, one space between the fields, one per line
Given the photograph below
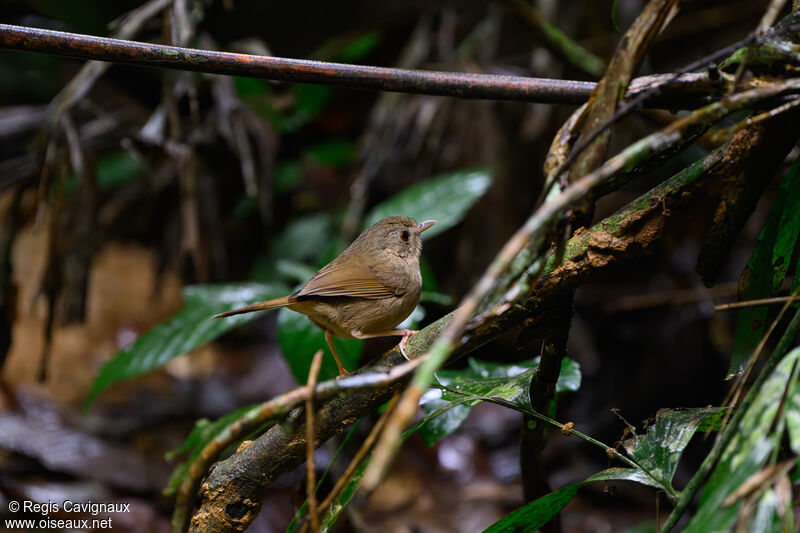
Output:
x=329 y=340
x=405 y=333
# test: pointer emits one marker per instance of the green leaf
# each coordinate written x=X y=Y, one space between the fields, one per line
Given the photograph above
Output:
x=287 y=175
x=444 y=198
x=300 y=339
x=359 y=48
x=113 y=171
x=339 y=504
x=659 y=451
x=539 y=512
x=793 y=417
x=333 y=152
x=767 y=267
x=303 y=238
x=442 y=417
x=614 y=16
x=301 y=241
x=483 y=379
x=184 y=331
x=204 y=431
x=758 y=436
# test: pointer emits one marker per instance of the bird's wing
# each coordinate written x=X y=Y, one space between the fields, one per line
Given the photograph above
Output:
x=348 y=279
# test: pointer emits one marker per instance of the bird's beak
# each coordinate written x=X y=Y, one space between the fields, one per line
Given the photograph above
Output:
x=422 y=226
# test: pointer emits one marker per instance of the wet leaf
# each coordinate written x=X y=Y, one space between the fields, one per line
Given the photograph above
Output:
x=539 y=512
x=767 y=267
x=444 y=198
x=184 y=331
x=442 y=416
x=758 y=436
x=485 y=379
x=660 y=449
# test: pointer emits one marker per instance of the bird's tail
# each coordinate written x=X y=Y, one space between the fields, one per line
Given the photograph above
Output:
x=260 y=306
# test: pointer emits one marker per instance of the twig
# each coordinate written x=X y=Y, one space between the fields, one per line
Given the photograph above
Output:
x=311 y=481
x=674 y=297
x=770 y=15
x=357 y=458
x=455 y=84
x=756 y=303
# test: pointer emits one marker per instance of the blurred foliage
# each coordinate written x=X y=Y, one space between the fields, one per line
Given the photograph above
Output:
x=768 y=267
x=187 y=329
x=445 y=199
x=758 y=439
x=204 y=431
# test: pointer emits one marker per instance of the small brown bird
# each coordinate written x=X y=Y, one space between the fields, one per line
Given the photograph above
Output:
x=365 y=292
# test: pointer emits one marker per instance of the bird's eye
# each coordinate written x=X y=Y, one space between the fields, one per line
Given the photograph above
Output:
x=404 y=235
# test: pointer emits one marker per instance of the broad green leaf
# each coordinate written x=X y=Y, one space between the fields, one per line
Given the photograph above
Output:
x=759 y=434
x=303 y=238
x=300 y=339
x=204 y=431
x=301 y=241
x=444 y=198
x=712 y=515
x=443 y=416
x=184 y=331
x=539 y=512
x=788 y=227
x=484 y=379
x=660 y=449
x=767 y=267
x=293 y=271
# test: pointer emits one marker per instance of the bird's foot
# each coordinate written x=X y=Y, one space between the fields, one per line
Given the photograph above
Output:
x=408 y=333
